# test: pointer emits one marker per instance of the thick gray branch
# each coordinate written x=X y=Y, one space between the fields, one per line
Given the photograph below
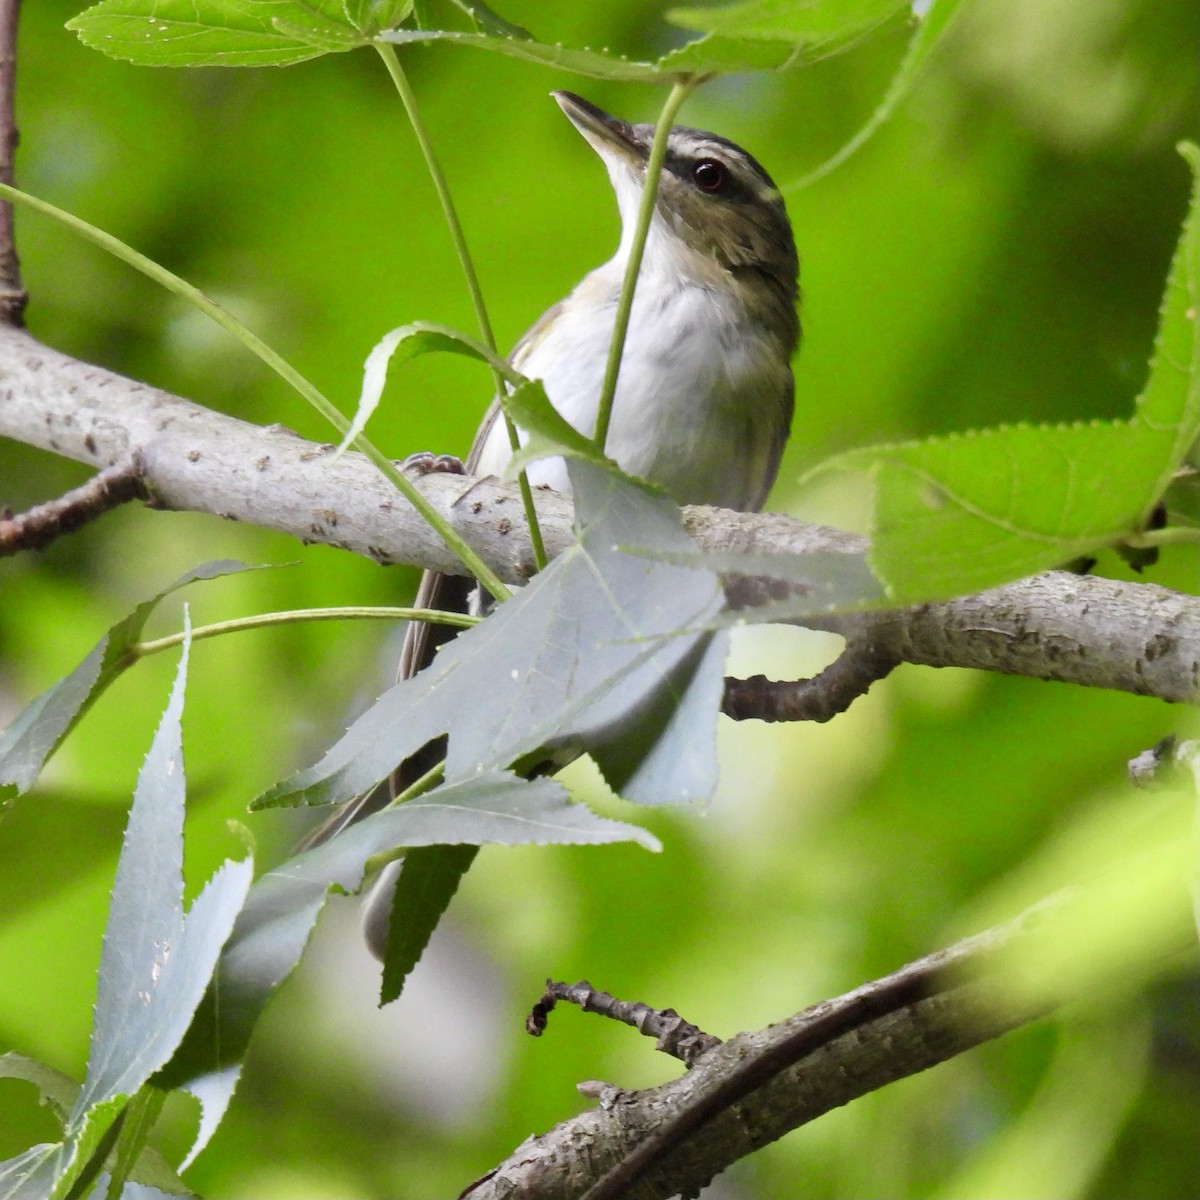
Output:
x=1132 y=637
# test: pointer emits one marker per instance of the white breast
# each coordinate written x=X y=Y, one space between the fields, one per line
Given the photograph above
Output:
x=702 y=399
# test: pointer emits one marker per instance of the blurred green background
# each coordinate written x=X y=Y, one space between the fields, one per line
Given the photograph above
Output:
x=995 y=254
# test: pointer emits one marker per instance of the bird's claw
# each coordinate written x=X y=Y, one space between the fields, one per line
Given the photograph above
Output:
x=426 y=463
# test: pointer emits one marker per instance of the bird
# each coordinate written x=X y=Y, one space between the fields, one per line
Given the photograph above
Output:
x=704 y=397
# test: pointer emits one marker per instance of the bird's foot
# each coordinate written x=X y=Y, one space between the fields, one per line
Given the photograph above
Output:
x=426 y=463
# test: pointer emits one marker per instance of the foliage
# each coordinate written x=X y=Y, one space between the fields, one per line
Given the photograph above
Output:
x=868 y=836
x=154 y=971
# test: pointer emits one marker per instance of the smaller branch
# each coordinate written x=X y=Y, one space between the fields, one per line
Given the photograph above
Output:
x=112 y=487
x=12 y=295
x=674 y=1035
x=756 y=1087
x=820 y=698
x=820 y=1026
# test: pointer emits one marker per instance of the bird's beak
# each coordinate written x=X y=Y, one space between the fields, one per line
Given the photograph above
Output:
x=607 y=135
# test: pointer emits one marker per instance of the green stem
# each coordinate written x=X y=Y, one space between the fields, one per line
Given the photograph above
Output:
x=409 y=99
x=419 y=787
x=1173 y=535
x=278 y=364
x=295 y=616
x=658 y=153
x=140 y=1118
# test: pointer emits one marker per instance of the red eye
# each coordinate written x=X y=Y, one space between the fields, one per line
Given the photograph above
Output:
x=710 y=175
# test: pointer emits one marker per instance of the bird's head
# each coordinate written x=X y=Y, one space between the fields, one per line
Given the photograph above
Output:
x=716 y=205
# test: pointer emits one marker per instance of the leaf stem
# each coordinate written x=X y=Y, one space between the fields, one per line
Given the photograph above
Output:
x=680 y=91
x=295 y=616
x=1172 y=535
x=409 y=99
x=420 y=786
x=227 y=321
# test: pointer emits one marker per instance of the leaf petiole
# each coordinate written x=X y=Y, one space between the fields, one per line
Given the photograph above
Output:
x=227 y=321
x=295 y=616
x=680 y=91
x=387 y=52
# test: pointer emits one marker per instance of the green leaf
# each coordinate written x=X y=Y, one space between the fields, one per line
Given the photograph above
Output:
x=491 y=23
x=216 y=33
x=56 y=1089
x=156 y=962
x=31 y=1174
x=133 y=1161
x=408 y=342
x=716 y=54
x=429 y=877
x=314 y=27
x=820 y=27
x=371 y=16
x=705 y=56
x=271 y=932
x=549 y=433
x=90 y=1142
x=930 y=29
x=959 y=514
x=59 y=1092
x=579 y=657
x=38 y=731
x=597 y=64
x=1169 y=406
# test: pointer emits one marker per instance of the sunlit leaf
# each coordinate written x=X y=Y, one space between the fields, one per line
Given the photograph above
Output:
x=815 y=28
x=489 y=22
x=59 y=1091
x=959 y=514
x=548 y=432
x=598 y=64
x=409 y=342
x=928 y=35
x=155 y=966
x=212 y=33
x=31 y=1174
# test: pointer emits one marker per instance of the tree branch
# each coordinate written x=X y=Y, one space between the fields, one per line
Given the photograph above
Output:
x=12 y=295
x=1097 y=632
x=673 y=1034
x=106 y=490
x=756 y=1087
x=820 y=698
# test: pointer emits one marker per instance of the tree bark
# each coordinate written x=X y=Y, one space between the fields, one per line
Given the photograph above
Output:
x=1134 y=637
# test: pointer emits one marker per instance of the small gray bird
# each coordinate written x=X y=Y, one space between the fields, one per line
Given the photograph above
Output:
x=704 y=397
